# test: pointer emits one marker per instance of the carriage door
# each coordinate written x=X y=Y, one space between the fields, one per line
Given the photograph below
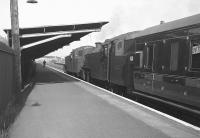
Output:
x=137 y=72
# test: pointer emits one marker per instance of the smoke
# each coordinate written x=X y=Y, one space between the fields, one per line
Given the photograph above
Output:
x=3 y=37
x=134 y=15
x=127 y=17
x=193 y=6
x=114 y=27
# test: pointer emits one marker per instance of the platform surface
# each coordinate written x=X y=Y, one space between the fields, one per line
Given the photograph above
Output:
x=62 y=107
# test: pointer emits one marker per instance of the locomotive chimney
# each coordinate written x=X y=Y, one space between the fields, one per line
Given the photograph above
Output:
x=162 y=22
x=98 y=44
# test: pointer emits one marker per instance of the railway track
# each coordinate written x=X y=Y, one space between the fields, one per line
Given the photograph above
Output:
x=182 y=112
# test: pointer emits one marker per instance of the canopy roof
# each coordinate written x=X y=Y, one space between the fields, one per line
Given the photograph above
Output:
x=38 y=41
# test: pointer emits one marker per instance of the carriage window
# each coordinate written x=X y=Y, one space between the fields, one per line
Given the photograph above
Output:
x=71 y=57
x=106 y=50
x=149 y=55
x=141 y=55
x=75 y=53
x=119 y=50
x=140 y=47
x=139 y=59
x=194 y=31
x=119 y=46
x=174 y=56
x=159 y=56
x=195 y=54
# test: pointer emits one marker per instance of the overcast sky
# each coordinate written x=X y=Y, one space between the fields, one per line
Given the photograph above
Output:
x=123 y=15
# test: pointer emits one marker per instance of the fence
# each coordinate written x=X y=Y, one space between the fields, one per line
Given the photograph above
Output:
x=6 y=74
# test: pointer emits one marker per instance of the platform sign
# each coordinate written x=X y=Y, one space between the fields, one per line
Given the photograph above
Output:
x=196 y=49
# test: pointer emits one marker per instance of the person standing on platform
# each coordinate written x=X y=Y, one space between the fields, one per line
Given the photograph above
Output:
x=44 y=63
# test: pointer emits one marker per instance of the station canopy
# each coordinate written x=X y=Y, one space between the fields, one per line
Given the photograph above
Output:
x=36 y=42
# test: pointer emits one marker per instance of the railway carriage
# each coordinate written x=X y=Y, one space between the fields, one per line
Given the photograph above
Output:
x=167 y=61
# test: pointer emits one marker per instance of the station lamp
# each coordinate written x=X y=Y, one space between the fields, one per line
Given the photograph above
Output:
x=32 y=1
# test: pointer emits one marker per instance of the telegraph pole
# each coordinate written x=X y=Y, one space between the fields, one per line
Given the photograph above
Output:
x=16 y=44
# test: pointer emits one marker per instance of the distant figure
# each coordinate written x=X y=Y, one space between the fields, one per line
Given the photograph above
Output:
x=44 y=63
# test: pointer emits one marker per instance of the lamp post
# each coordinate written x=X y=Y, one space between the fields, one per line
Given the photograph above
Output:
x=16 y=42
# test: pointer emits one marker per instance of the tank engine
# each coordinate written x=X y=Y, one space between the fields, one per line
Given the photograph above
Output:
x=74 y=62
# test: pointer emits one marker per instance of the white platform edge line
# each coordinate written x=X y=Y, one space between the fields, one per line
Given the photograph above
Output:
x=25 y=87
x=146 y=107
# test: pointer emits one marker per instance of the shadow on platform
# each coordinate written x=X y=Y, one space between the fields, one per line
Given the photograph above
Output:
x=47 y=75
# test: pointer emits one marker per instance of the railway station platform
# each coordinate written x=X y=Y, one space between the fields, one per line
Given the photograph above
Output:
x=61 y=106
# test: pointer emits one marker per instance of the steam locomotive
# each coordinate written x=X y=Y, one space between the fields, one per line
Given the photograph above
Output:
x=162 y=61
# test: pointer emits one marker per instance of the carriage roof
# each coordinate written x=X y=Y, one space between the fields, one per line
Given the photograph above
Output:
x=173 y=25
